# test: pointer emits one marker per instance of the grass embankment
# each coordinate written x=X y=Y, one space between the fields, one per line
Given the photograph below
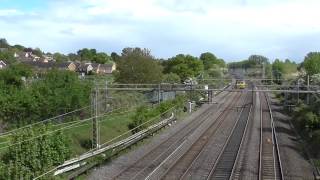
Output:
x=110 y=126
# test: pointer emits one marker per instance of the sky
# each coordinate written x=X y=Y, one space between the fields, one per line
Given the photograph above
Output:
x=231 y=29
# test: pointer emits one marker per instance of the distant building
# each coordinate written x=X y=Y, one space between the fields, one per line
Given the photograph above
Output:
x=47 y=58
x=85 y=68
x=23 y=56
x=40 y=66
x=104 y=68
x=44 y=66
x=71 y=66
x=2 y=64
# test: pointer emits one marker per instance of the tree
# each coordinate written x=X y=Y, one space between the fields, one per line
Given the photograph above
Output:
x=311 y=63
x=208 y=60
x=73 y=57
x=138 y=66
x=136 y=51
x=57 y=92
x=115 y=57
x=7 y=57
x=171 y=78
x=101 y=58
x=13 y=76
x=19 y=47
x=257 y=60
x=29 y=159
x=185 y=66
x=221 y=63
x=4 y=43
x=60 y=57
x=86 y=54
x=37 y=51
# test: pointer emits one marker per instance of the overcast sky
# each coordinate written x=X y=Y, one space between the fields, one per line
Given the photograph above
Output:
x=231 y=29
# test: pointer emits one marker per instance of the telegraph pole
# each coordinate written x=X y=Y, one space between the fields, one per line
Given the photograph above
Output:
x=95 y=121
x=308 y=95
x=263 y=71
x=159 y=93
x=106 y=97
x=298 y=90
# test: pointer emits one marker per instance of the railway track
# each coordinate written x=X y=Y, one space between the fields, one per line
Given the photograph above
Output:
x=225 y=166
x=269 y=158
x=155 y=156
x=195 y=152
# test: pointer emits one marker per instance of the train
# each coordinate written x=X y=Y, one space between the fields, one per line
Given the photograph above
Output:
x=241 y=84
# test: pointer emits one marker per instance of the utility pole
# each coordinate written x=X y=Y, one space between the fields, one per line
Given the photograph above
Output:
x=106 y=97
x=298 y=90
x=95 y=121
x=263 y=71
x=308 y=95
x=159 y=93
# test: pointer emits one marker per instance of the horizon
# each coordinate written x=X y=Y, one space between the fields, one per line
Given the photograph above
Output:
x=232 y=30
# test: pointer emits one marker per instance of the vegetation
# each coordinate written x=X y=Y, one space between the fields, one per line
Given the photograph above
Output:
x=138 y=66
x=24 y=99
x=185 y=66
x=143 y=114
x=93 y=56
x=253 y=61
x=28 y=159
x=283 y=69
x=210 y=60
x=312 y=63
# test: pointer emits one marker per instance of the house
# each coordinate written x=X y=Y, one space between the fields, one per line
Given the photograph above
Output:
x=23 y=56
x=47 y=58
x=35 y=58
x=2 y=64
x=40 y=66
x=44 y=66
x=71 y=66
x=85 y=68
x=106 y=68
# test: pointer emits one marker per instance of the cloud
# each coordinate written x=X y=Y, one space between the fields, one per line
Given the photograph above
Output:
x=233 y=29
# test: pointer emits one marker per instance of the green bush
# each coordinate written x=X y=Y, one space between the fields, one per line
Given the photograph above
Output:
x=143 y=113
x=29 y=159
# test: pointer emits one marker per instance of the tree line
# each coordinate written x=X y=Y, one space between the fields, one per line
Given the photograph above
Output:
x=136 y=65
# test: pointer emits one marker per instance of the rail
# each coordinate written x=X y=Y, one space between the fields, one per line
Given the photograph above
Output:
x=277 y=165
x=225 y=163
x=275 y=138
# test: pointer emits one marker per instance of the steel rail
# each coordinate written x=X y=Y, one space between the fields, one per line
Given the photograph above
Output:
x=209 y=132
x=277 y=165
x=241 y=145
x=275 y=140
x=189 y=128
x=226 y=152
x=197 y=157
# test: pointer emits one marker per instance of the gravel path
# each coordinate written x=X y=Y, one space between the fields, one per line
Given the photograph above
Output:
x=294 y=162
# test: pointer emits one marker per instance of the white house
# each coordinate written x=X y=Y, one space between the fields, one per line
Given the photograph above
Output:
x=2 y=64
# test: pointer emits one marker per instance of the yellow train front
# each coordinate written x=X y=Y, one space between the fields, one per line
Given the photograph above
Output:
x=241 y=84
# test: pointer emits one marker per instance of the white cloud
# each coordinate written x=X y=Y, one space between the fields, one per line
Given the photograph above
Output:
x=170 y=27
x=9 y=12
